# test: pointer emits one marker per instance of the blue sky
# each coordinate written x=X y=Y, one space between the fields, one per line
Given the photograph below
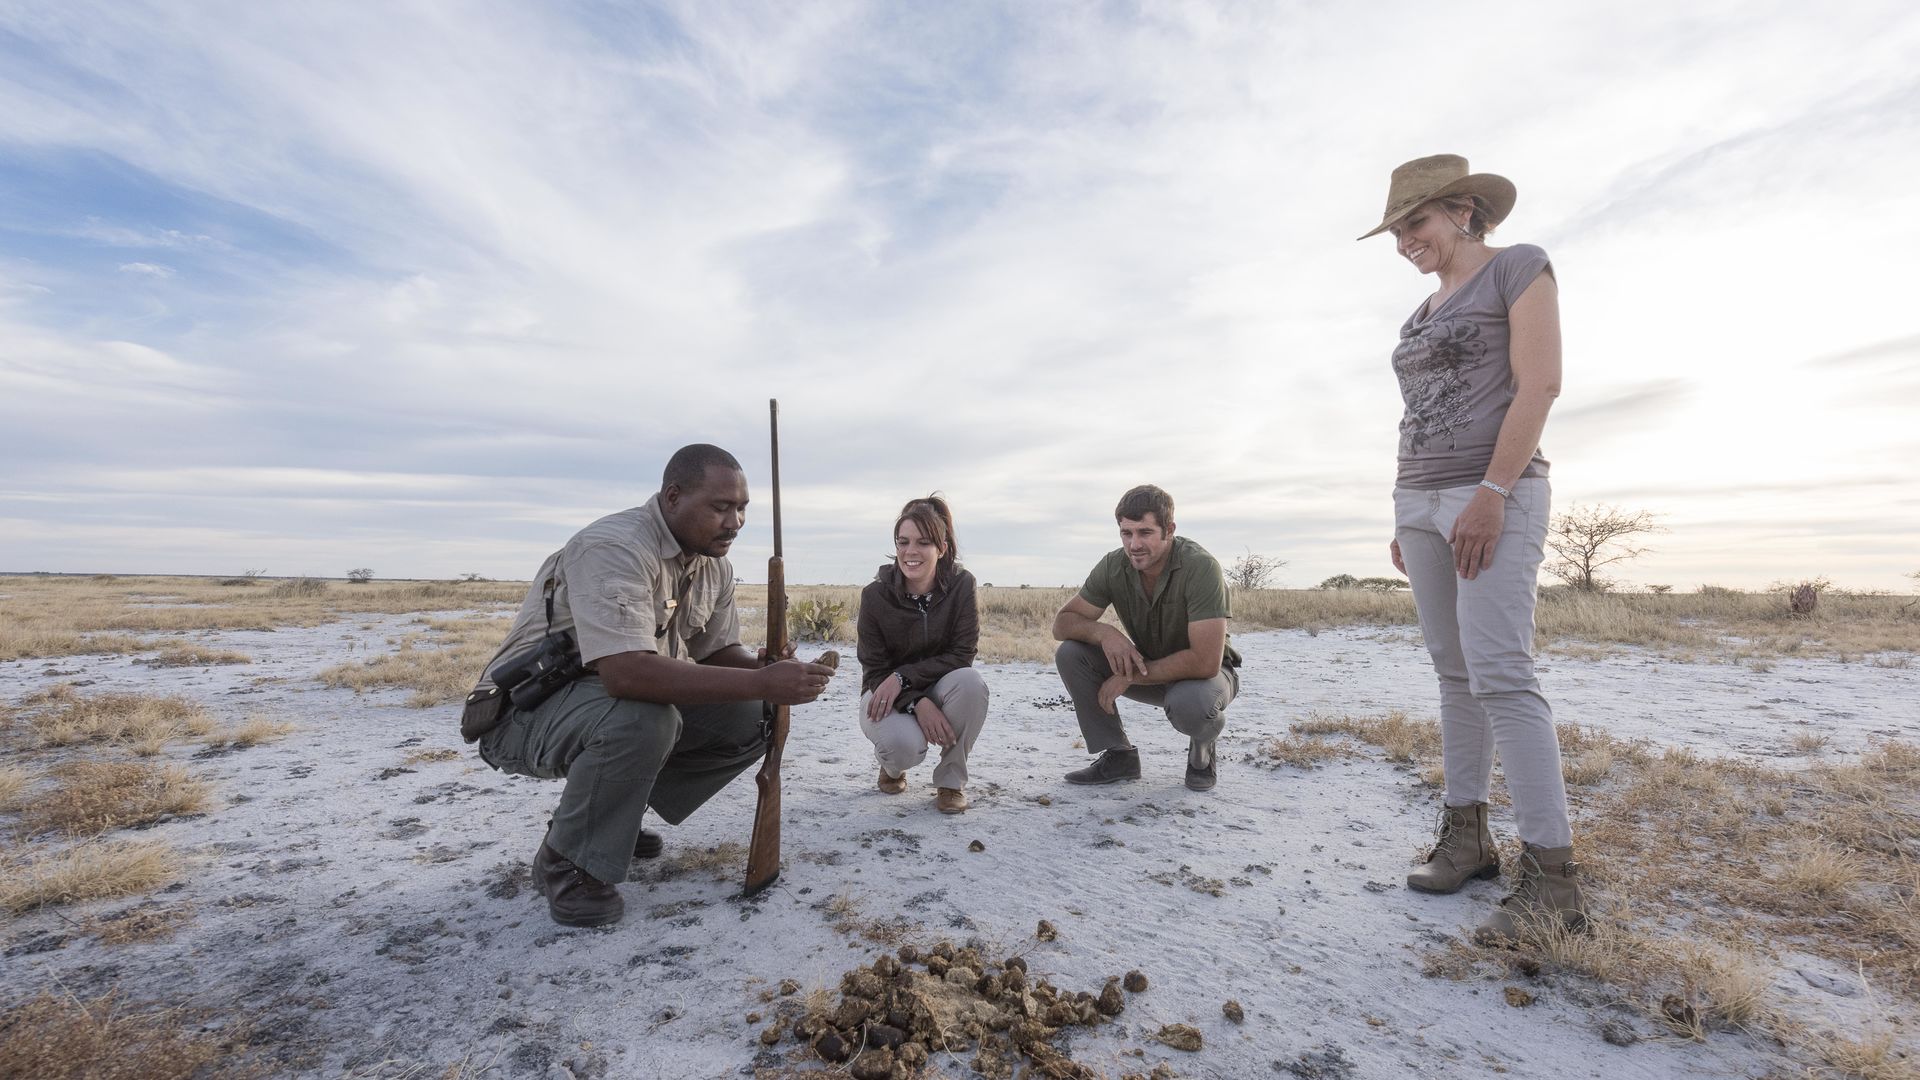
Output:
x=425 y=287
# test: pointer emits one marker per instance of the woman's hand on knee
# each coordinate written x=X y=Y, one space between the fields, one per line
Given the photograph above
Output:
x=884 y=695
x=933 y=723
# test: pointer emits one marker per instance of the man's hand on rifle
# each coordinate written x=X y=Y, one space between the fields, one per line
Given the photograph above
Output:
x=791 y=682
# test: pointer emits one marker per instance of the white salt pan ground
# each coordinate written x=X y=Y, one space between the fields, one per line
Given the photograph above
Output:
x=374 y=919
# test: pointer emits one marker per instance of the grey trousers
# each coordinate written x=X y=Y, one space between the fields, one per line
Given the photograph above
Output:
x=619 y=757
x=1480 y=635
x=1196 y=707
x=899 y=744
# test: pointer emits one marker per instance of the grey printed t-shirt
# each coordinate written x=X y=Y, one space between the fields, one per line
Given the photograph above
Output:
x=622 y=584
x=1457 y=378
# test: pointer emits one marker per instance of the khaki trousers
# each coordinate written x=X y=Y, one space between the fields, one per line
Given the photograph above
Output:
x=899 y=744
x=1480 y=635
x=1197 y=708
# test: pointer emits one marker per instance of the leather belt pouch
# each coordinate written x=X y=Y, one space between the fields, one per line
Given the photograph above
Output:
x=486 y=709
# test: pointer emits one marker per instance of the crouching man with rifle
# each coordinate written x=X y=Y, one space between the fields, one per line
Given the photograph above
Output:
x=624 y=674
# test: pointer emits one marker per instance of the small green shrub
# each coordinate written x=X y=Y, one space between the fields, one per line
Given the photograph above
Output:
x=816 y=620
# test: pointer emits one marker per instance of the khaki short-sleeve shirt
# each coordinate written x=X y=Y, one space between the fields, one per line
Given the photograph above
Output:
x=622 y=584
x=1191 y=589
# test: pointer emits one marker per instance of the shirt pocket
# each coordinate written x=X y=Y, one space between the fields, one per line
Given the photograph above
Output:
x=699 y=613
x=629 y=607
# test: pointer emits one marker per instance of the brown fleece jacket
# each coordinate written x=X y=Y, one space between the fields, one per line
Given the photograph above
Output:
x=896 y=636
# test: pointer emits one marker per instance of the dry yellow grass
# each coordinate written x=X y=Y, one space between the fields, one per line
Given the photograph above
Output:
x=1402 y=739
x=63 y=716
x=439 y=667
x=180 y=655
x=139 y=925
x=255 y=730
x=60 y=1037
x=721 y=861
x=91 y=870
x=1016 y=624
x=45 y=616
x=427 y=757
x=14 y=781
x=1694 y=860
x=91 y=797
x=1301 y=751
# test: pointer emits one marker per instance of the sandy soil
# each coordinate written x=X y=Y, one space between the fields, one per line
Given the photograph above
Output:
x=374 y=918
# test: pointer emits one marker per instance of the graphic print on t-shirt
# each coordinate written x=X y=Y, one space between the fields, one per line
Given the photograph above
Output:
x=1432 y=363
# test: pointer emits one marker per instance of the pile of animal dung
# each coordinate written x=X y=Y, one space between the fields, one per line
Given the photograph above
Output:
x=897 y=1012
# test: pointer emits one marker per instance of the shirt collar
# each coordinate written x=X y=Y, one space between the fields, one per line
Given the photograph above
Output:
x=653 y=530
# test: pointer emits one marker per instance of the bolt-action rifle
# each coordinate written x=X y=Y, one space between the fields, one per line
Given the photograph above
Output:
x=763 y=856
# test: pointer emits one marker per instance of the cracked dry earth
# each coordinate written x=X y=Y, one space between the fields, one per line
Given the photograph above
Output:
x=358 y=891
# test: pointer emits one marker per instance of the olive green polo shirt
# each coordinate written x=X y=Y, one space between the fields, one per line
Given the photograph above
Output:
x=622 y=584
x=1190 y=589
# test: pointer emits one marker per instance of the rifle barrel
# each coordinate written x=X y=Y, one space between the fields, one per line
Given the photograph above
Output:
x=773 y=421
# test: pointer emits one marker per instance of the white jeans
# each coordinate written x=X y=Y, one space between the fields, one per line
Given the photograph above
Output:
x=899 y=744
x=1480 y=635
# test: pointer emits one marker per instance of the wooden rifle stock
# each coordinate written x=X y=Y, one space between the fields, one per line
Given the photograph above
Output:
x=763 y=856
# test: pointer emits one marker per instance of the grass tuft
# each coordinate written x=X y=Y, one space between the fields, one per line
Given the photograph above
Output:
x=60 y=1037
x=91 y=797
x=62 y=716
x=91 y=870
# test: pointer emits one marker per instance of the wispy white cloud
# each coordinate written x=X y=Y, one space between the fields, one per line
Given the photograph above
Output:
x=1025 y=254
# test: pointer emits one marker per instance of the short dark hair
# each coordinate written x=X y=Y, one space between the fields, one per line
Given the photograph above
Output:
x=688 y=466
x=1146 y=499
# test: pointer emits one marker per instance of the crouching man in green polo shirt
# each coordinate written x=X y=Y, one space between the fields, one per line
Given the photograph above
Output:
x=670 y=708
x=1172 y=599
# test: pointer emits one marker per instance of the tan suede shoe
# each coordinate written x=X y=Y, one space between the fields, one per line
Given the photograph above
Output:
x=951 y=801
x=892 y=785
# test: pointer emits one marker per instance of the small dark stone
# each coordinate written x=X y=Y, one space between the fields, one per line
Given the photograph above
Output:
x=1135 y=982
x=976 y=846
x=1045 y=931
x=1111 y=1003
x=1232 y=1011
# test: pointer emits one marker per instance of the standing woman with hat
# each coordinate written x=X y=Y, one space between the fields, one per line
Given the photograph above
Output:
x=1479 y=366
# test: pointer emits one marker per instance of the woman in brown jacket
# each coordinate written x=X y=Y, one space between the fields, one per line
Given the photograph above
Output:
x=919 y=629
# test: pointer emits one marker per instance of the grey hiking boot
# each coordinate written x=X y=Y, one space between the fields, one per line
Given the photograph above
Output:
x=1462 y=850
x=1120 y=763
x=1545 y=899
x=1200 y=769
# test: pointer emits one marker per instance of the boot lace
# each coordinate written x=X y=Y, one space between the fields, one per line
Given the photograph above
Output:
x=1450 y=823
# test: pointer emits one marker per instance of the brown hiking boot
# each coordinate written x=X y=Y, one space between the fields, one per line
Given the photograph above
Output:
x=574 y=897
x=951 y=801
x=1462 y=850
x=891 y=785
x=1545 y=898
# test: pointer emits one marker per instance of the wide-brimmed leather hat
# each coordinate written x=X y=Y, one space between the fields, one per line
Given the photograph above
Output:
x=1423 y=180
